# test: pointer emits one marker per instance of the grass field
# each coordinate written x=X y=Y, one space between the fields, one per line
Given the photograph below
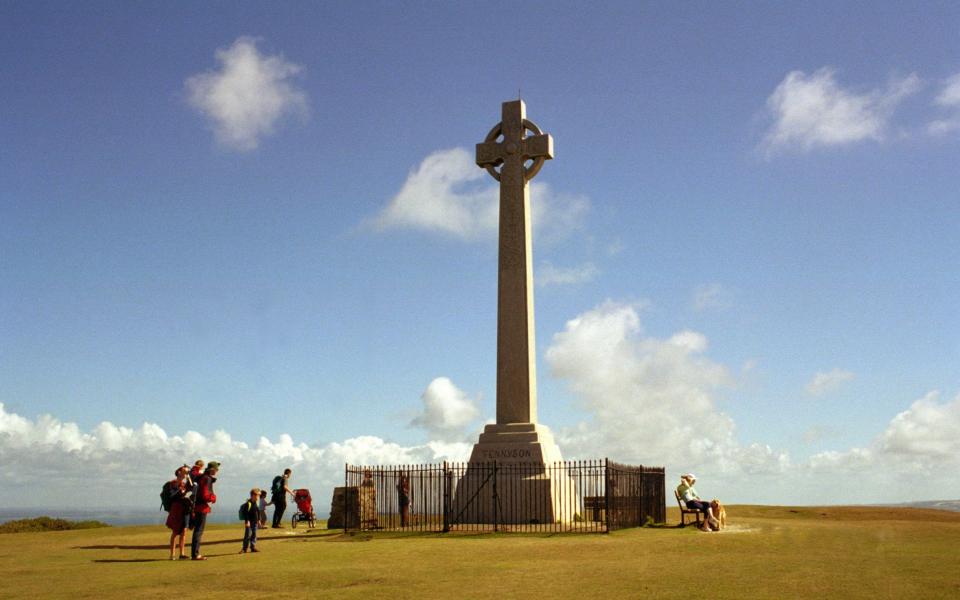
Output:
x=768 y=552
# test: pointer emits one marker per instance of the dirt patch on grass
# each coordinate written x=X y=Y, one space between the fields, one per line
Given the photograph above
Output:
x=734 y=529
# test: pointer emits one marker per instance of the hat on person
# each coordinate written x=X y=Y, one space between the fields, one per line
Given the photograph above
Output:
x=689 y=476
x=213 y=465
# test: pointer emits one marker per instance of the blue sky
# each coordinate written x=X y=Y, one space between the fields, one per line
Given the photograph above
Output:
x=771 y=189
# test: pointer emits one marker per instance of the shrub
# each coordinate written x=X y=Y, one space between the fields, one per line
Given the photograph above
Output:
x=47 y=524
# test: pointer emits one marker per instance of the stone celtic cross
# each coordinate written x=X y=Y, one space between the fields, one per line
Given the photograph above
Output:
x=518 y=148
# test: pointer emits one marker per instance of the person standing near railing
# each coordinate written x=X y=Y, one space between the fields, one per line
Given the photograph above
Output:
x=403 y=498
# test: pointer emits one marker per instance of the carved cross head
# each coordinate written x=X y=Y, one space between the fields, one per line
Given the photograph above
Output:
x=514 y=143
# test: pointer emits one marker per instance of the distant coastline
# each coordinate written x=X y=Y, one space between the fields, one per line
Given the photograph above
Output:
x=951 y=505
x=117 y=516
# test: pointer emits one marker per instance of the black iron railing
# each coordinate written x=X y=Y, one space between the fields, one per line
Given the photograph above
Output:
x=569 y=496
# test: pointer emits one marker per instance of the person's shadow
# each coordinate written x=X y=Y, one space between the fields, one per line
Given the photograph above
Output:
x=145 y=560
x=154 y=546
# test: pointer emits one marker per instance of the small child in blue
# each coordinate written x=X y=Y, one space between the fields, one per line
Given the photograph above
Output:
x=250 y=511
x=263 y=509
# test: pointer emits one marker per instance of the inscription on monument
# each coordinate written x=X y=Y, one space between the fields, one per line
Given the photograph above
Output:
x=518 y=454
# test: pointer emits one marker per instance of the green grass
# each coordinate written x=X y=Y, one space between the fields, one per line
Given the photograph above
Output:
x=47 y=524
x=768 y=552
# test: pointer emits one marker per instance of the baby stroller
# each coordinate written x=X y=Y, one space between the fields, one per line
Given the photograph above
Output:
x=304 y=509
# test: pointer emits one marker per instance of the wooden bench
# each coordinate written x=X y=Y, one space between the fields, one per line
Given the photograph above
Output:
x=684 y=511
x=594 y=507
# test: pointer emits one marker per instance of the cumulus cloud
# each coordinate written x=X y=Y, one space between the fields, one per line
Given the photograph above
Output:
x=447 y=410
x=712 y=296
x=46 y=461
x=448 y=194
x=651 y=400
x=248 y=95
x=827 y=381
x=548 y=274
x=927 y=430
x=810 y=111
x=908 y=461
x=949 y=100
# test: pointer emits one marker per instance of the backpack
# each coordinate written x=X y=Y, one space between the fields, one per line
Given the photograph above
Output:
x=277 y=488
x=166 y=496
x=244 y=510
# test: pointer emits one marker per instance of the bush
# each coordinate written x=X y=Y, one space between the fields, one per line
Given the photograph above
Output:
x=47 y=524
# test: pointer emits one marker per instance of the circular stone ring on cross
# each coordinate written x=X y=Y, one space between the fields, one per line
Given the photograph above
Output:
x=512 y=148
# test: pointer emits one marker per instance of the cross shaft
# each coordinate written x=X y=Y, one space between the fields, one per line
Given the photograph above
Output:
x=516 y=347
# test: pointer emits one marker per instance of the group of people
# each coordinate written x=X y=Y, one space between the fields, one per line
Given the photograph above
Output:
x=714 y=515
x=188 y=499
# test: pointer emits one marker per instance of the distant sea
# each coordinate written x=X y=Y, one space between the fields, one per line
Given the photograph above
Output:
x=129 y=516
x=953 y=505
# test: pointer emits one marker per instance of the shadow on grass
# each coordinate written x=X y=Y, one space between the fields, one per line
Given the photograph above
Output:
x=146 y=560
x=302 y=537
x=130 y=560
x=367 y=536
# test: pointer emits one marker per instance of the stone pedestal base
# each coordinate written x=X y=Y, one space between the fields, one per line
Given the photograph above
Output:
x=516 y=443
x=528 y=484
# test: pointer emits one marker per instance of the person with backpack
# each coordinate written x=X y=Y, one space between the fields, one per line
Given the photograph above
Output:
x=176 y=501
x=279 y=490
x=201 y=507
x=250 y=515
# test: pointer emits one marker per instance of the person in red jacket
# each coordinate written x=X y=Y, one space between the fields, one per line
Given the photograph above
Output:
x=201 y=507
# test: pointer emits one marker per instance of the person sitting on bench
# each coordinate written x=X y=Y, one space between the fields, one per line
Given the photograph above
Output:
x=692 y=500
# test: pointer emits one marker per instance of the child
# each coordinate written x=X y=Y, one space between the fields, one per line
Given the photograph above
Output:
x=193 y=481
x=194 y=477
x=251 y=514
x=263 y=509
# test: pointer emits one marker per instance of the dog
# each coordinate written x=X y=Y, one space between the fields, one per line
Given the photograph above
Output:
x=719 y=514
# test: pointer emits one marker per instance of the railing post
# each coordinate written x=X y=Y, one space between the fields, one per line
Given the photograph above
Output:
x=496 y=499
x=346 y=478
x=606 y=492
x=446 y=498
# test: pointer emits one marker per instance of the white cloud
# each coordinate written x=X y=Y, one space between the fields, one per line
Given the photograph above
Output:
x=547 y=274
x=814 y=110
x=948 y=98
x=914 y=458
x=927 y=430
x=248 y=95
x=449 y=194
x=655 y=406
x=46 y=461
x=651 y=400
x=712 y=296
x=827 y=381
x=447 y=410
